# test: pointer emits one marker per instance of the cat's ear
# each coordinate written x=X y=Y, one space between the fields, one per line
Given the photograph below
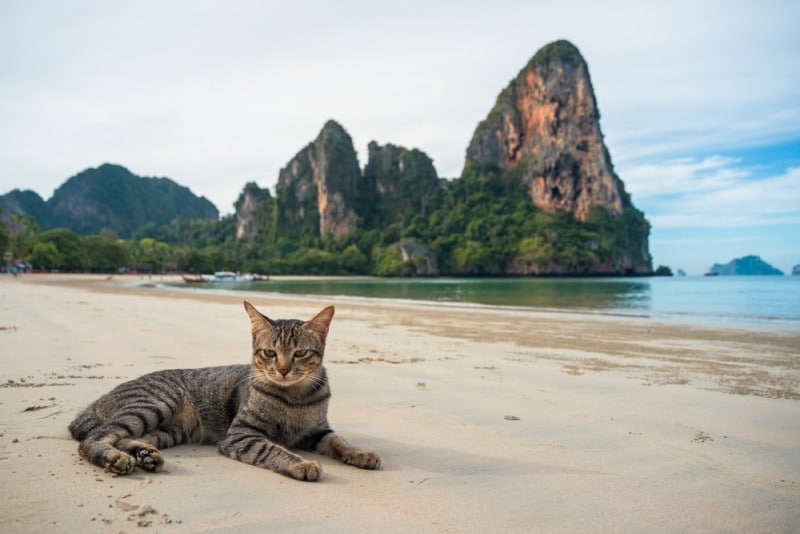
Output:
x=257 y=319
x=320 y=323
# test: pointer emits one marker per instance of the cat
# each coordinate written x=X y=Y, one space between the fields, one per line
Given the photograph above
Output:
x=255 y=412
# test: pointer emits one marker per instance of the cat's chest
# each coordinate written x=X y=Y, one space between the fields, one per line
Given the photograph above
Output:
x=284 y=419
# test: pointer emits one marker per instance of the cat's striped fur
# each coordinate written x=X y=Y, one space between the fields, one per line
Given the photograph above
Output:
x=255 y=413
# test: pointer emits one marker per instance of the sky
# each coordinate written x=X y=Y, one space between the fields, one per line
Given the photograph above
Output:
x=699 y=101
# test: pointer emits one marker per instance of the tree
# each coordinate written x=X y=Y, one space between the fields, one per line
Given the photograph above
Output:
x=204 y=260
x=46 y=256
x=70 y=246
x=21 y=229
x=5 y=241
x=151 y=254
x=107 y=253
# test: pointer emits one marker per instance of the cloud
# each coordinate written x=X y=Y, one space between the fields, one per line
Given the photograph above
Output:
x=714 y=192
x=682 y=176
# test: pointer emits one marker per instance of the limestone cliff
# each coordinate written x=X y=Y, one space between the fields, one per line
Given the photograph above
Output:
x=254 y=212
x=546 y=124
x=110 y=197
x=397 y=181
x=423 y=260
x=318 y=187
x=538 y=195
x=24 y=201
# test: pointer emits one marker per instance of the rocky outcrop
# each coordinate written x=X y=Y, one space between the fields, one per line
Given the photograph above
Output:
x=423 y=260
x=318 y=187
x=544 y=131
x=796 y=270
x=254 y=212
x=322 y=191
x=747 y=265
x=545 y=126
x=27 y=202
x=110 y=197
x=399 y=181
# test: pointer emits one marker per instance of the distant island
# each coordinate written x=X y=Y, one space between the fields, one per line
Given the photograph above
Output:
x=796 y=270
x=748 y=265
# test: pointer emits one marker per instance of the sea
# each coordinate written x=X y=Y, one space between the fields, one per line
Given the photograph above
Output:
x=753 y=300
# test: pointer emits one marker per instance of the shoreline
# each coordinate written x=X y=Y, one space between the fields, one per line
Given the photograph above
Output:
x=742 y=338
x=487 y=419
x=662 y=315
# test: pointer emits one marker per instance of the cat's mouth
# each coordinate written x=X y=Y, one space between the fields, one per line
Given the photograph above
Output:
x=281 y=380
x=273 y=376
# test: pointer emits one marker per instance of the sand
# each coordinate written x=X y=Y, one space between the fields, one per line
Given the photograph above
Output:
x=488 y=420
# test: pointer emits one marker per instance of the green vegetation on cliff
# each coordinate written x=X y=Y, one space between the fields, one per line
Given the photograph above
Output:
x=110 y=197
x=478 y=225
x=561 y=51
x=484 y=224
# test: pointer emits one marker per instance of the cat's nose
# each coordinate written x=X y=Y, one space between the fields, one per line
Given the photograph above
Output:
x=284 y=372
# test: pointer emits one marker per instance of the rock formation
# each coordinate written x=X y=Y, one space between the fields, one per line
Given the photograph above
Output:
x=747 y=265
x=254 y=211
x=545 y=125
x=319 y=185
x=110 y=197
x=397 y=181
x=27 y=202
x=423 y=260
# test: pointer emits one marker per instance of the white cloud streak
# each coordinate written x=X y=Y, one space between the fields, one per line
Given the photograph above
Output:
x=713 y=193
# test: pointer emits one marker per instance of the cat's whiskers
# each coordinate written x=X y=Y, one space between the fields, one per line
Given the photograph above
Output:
x=314 y=379
x=246 y=378
x=253 y=375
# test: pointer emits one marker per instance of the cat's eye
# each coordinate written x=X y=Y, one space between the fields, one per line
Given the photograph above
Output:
x=302 y=353
x=267 y=354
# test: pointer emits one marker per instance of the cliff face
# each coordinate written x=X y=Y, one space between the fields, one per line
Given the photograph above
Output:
x=111 y=197
x=254 y=212
x=538 y=194
x=29 y=202
x=317 y=188
x=546 y=124
x=397 y=181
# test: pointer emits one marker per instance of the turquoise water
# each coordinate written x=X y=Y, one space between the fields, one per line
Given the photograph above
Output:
x=738 y=299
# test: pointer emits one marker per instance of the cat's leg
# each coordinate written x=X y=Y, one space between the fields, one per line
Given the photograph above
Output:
x=124 y=440
x=255 y=449
x=99 y=447
x=146 y=455
x=329 y=443
x=145 y=448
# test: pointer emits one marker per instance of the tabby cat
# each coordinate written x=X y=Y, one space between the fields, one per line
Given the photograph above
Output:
x=255 y=413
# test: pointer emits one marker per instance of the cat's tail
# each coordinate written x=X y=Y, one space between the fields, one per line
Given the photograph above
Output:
x=83 y=424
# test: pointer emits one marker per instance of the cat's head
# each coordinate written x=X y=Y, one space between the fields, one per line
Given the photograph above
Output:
x=286 y=351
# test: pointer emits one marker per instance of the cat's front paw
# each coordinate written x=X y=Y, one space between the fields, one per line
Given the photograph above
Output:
x=118 y=462
x=362 y=459
x=149 y=458
x=305 y=470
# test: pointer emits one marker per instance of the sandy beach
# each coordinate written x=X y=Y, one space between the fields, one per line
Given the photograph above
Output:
x=487 y=420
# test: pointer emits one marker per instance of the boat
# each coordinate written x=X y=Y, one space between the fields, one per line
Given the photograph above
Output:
x=224 y=277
